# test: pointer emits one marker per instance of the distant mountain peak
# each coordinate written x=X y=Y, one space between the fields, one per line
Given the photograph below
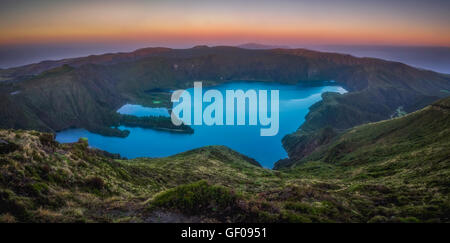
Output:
x=257 y=46
x=200 y=47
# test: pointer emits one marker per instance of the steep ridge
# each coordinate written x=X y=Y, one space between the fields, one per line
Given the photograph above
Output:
x=19 y=73
x=416 y=140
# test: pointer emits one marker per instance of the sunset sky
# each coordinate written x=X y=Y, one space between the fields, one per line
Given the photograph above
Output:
x=180 y=23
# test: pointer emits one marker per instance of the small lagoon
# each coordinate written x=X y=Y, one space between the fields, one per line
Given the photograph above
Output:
x=138 y=110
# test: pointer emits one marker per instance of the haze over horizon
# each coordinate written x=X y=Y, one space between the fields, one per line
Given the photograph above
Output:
x=403 y=22
x=33 y=31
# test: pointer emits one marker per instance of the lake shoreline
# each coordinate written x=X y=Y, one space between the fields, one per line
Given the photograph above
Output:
x=295 y=101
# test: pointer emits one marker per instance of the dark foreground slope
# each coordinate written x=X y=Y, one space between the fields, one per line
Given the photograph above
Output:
x=392 y=171
x=422 y=136
x=402 y=162
x=85 y=92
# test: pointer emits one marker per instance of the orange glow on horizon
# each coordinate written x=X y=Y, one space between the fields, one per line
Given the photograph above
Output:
x=284 y=23
x=222 y=34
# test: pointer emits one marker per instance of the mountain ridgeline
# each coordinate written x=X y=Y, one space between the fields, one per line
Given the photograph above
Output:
x=86 y=92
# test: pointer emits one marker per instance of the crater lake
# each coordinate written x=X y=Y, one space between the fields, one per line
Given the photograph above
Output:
x=294 y=103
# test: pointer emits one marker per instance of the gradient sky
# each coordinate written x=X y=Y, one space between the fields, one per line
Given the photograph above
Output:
x=170 y=22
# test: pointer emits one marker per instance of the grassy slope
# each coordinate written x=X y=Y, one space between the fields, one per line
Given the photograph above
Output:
x=391 y=171
x=408 y=158
x=45 y=181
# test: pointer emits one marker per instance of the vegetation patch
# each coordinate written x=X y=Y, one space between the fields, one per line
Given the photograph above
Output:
x=197 y=198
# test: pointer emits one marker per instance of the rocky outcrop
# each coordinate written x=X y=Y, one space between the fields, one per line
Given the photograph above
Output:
x=7 y=147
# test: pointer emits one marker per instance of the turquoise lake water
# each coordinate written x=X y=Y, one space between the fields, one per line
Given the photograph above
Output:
x=138 y=110
x=294 y=101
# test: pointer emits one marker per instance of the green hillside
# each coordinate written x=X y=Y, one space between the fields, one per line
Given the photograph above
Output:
x=396 y=170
